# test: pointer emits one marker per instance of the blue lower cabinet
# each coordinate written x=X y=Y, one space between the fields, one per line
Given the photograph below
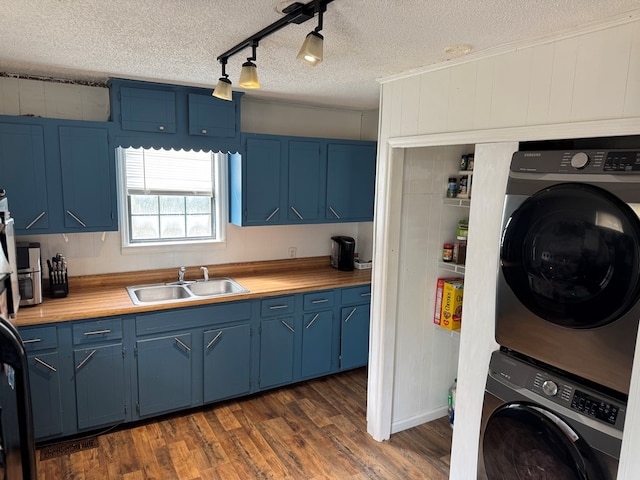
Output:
x=277 y=342
x=354 y=343
x=44 y=379
x=227 y=362
x=164 y=370
x=317 y=334
x=100 y=385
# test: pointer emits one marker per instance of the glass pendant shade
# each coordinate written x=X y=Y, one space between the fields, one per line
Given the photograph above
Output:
x=311 y=50
x=249 y=76
x=223 y=89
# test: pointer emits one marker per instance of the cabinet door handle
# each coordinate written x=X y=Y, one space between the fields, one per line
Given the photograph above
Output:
x=272 y=214
x=97 y=332
x=288 y=326
x=277 y=307
x=334 y=212
x=86 y=359
x=33 y=222
x=322 y=300
x=210 y=344
x=203 y=131
x=161 y=128
x=350 y=315
x=32 y=340
x=368 y=294
x=297 y=213
x=45 y=364
x=76 y=218
x=315 y=317
x=182 y=344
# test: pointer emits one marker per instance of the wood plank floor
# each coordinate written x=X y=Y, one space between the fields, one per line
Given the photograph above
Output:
x=312 y=430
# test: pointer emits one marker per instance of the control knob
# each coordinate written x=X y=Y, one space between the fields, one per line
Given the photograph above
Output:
x=549 y=388
x=580 y=160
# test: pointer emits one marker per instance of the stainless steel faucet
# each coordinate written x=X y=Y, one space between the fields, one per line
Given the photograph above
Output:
x=181 y=274
x=205 y=271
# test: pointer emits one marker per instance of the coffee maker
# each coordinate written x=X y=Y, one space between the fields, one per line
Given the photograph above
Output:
x=342 y=252
x=29 y=273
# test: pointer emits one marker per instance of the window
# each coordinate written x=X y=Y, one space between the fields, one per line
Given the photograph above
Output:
x=170 y=196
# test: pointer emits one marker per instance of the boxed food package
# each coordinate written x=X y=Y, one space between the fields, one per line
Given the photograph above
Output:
x=451 y=313
x=438 y=309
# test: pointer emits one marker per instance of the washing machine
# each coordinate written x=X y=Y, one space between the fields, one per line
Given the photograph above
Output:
x=568 y=283
x=540 y=425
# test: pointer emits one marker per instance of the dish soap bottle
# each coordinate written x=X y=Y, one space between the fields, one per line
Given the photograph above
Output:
x=452 y=401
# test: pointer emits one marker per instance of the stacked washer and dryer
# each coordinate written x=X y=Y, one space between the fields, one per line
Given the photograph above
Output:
x=567 y=311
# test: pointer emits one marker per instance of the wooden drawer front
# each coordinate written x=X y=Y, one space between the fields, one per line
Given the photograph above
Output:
x=360 y=294
x=277 y=306
x=39 y=338
x=318 y=300
x=97 y=331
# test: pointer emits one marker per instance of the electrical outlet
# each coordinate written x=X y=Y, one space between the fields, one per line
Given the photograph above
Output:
x=292 y=252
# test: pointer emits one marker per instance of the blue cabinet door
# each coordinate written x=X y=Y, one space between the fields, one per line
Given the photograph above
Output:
x=88 y=185
x=317 y=333
x=100 y=385
x=306 y=182
x=350 y=182
x=44 y=380
x=24 y=176
x=354 y=348
x=277 y=340
x=211 y=117
x=227 y=362
x=148 y=110
x=164 y=373
x=263 y=184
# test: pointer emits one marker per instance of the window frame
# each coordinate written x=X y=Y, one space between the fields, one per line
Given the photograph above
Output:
x=220 y=206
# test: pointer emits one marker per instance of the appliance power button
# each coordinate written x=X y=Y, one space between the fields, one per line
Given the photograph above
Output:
x=549 y=388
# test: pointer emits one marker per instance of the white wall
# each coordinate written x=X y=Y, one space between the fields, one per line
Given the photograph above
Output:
x=580 y=85
x=94 y=253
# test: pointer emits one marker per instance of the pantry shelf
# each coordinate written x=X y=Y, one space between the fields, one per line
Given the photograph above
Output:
x=451 y=267
x=457 y=202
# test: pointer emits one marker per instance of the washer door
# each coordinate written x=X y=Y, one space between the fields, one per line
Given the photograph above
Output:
x=571 y=255
x=527 y=442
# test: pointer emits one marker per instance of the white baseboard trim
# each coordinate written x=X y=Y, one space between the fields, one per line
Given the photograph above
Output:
x=418 y=420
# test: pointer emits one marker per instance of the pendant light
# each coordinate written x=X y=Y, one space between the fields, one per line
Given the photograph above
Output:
x=311 y=50
x=223 y=88
x=249 y=72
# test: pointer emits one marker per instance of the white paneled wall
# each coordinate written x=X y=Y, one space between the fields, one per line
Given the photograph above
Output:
x=89 y=253
x=578 y=85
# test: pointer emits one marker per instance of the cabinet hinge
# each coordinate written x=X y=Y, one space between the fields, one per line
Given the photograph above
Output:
x=135 y=352
x=260 y=329
x=124 y=353
x=125 y=408
x=138 y=408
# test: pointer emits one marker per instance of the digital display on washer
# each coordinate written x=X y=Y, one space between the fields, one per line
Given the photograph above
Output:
x=594 y=407
x=622 y=162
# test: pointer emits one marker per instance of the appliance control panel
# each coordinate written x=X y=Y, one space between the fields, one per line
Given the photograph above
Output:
x=595 y=407
x=577 y=161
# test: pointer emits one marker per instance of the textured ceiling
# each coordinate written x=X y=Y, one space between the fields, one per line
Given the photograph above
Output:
x=177 y=41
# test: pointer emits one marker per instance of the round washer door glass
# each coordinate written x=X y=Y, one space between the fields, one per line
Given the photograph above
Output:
x=526 y=442
x=571 y=254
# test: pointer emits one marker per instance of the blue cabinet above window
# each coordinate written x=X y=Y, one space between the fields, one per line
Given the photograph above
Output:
x=173 y=116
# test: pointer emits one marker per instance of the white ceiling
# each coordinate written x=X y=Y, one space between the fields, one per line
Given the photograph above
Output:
x=177 y=41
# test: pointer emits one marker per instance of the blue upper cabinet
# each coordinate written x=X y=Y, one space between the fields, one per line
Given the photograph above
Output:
x=211 y=117
x=88 y=182
x=24 y=175
x=351 y=174
x=158 y=115
x=148 y=110
x=282 y=180
x=307 y=171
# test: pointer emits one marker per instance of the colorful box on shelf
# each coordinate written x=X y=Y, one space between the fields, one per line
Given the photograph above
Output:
x=448 y=305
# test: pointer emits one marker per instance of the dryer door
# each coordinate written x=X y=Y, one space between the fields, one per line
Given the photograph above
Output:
x=528 y=442
x=571 y=255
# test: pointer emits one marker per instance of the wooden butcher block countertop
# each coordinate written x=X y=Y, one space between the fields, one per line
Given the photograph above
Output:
x=105 y=295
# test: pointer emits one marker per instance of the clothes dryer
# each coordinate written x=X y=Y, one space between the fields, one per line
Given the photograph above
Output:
x=539 y=425
x=568 y=284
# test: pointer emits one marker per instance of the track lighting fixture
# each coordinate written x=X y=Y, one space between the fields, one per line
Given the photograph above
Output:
x=249 y=72
x=310 y=53
x=311 y=50
x=223 y=88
